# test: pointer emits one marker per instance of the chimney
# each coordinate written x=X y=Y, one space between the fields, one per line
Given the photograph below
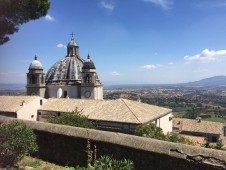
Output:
x=199 y=119
x=23 y=102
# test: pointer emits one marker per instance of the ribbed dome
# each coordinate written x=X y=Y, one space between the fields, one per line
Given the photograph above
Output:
x=35 y=64
x=66 y=71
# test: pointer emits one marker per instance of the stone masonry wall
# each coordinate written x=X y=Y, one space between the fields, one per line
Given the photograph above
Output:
x=67 y=145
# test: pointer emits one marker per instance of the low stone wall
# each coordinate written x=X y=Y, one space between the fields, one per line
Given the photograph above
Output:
x=67 y=145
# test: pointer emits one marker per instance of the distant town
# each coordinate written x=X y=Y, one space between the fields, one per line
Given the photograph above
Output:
x=207 y=102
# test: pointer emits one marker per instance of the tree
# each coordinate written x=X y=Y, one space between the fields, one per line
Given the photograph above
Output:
x=177 y=138
x=74 y=118
x=150 y=131
x=219 y=144
x=16 y=141
x=14 y=13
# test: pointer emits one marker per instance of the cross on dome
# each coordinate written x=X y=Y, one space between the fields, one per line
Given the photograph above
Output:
x=72 y=35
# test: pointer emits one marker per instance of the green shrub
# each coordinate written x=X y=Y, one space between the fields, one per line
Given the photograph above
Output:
x=46 y=168
x=74 y=118
x=219 y=145
x=107 y=163
x=33 y=163
x=16 y=141
x=177 y=138
x=150 y=131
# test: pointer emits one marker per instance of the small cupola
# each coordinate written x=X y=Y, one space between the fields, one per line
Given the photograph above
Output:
x=88 y=64
x=72 y=47
x=35 y=64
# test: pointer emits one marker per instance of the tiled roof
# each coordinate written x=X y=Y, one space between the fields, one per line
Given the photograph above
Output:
x=120 y=110
x=201 y=126
x=14 y=103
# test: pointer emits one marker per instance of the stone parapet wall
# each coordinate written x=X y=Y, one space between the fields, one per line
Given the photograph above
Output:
x=67 y=145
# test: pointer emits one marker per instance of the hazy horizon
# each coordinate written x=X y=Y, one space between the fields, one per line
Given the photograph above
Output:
x=132 y=42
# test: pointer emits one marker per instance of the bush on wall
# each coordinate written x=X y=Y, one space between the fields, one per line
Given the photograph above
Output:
x=16 y=141
x=74 y=118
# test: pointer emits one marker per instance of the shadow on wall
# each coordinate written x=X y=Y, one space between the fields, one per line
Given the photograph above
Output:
x=63 y=144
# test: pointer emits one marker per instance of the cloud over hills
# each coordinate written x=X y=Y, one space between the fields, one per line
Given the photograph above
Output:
x=206 y=56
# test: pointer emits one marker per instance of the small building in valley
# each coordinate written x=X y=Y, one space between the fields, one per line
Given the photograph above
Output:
x=21 y=107
x=211 y=131
x=119 y=115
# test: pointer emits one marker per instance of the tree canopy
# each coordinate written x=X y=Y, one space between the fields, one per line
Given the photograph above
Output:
x=152 y=131
x=74 y=118
x=13 y=13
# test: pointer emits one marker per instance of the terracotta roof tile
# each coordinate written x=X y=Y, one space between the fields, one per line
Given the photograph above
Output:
x=13 y=103
x=120 y=110
x=202 y=126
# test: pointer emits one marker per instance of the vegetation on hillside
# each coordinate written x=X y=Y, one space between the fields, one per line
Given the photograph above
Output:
x=208 y=103
x=16 y=141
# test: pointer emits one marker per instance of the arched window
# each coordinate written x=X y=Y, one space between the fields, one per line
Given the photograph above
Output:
x=88 y=78
x=71 y=51
x=33 y=79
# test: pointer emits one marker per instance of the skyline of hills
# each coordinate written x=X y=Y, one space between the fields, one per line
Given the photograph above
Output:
x=215 y=81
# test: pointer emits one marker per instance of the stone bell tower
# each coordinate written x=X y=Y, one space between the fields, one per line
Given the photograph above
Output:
x=36 y=79
x=91 y=87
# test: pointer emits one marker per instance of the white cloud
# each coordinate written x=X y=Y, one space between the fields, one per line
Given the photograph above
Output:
x=107 y=6
x=165 y=4
x=170 y=63
x=206 y=56
x=49 y=18
x=61 y=45
x=149 y=66
x=115 y=73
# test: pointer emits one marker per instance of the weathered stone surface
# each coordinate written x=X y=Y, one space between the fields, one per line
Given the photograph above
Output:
x=64 y=144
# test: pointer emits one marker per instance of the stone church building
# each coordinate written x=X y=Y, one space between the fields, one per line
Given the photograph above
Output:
x=71 y=77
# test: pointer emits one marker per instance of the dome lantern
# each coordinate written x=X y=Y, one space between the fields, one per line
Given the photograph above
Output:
x=72 y=47
x=35 y=64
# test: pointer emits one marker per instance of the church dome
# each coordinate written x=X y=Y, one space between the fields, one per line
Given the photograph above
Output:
x=35 y=64
x=66 y=71
x=88 y=64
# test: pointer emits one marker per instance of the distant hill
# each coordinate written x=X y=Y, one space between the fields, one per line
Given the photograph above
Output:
x=208 y=82
x=216 y=81
x=5 y=86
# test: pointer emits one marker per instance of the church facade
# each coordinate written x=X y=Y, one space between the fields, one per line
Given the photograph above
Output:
x=71 y=77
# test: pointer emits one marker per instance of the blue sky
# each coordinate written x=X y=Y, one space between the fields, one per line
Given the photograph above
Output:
x=130 y=41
